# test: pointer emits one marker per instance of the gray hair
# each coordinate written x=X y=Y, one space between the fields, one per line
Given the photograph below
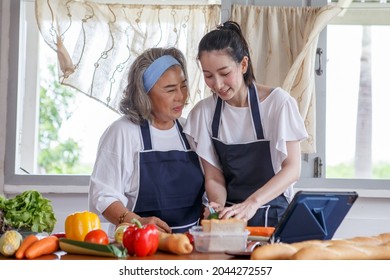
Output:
x=135 y=103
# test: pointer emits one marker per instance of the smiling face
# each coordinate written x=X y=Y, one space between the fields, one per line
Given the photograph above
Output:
x=223 y=75
x=168 y=97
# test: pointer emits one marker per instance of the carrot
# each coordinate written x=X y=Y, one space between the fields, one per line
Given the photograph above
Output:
x=44 y=246
x=27 y=242
x=261 y=231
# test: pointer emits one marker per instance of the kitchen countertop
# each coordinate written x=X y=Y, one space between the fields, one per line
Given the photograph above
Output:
x=61 y=255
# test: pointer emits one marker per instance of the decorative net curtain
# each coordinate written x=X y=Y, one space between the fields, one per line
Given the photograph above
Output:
x=96 y=43
x=283 y=42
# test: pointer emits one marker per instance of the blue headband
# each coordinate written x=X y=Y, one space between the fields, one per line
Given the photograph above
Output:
x=156 y=69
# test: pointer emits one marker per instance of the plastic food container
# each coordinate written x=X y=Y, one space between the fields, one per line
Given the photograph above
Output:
x=218 y=242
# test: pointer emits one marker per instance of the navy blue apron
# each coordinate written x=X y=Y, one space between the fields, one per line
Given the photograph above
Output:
x=171 y=184
x=247 y=167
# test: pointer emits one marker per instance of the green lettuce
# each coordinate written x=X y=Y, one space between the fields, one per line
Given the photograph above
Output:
x=28 y=211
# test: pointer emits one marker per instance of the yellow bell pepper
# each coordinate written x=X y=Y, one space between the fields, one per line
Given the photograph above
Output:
x=78 y=224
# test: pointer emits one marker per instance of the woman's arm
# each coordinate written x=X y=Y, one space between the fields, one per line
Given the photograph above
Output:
x=289 y=173
x=214 y=185
x=117 y=213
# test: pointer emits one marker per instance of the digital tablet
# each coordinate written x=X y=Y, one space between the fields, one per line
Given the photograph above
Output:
x=313 y=215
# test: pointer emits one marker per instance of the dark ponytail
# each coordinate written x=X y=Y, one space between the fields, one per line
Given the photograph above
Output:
x=228 y=37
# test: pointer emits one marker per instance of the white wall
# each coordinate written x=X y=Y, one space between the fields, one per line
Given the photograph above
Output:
x=65 y=204
x=368 y=216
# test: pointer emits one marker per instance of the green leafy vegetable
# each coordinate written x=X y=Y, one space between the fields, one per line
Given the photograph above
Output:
x=28 y=211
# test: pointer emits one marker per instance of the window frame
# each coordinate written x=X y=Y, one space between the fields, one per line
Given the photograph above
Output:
x=12 y=180
x=371 y=187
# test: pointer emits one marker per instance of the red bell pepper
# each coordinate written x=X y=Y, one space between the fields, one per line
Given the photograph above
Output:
x=140 y=240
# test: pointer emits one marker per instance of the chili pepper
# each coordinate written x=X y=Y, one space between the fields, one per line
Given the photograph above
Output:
x=78 y=224
x=140 y=240
x=59 y=234
x=190 y=237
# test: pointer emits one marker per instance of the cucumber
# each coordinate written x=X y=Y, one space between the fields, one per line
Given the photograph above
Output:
x=86 y=248
x=213 y=216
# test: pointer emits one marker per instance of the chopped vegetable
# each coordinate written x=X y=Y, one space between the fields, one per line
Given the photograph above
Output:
x=10 y=242
x=214 y=215
x=141 y=240
x=28 y=211
x=78 y=224
x=260 y=231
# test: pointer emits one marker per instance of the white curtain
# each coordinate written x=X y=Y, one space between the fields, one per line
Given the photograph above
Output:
x=283 y=43
x=96 y=43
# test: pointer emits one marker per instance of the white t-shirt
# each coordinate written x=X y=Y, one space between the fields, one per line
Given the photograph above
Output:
x=116 y=167
x=280 y=119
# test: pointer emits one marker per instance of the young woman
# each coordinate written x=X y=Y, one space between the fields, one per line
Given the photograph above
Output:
x=246 y=134
x=144 y=161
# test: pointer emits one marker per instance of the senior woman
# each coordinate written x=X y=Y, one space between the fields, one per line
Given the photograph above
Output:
x=145 y=168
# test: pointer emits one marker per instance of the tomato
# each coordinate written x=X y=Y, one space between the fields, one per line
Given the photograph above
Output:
x=98 y=236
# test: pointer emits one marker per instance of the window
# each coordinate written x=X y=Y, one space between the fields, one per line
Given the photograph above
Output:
x=53 y=130
x=56 y=128
x=357 y=93
x=339 y=148
x=60 y=135
x=321 y=170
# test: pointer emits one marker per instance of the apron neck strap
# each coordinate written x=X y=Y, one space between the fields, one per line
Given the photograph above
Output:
x=147 y=139
x=255 y=112
x=216 y=118
x=183 y=136
x=254 y=105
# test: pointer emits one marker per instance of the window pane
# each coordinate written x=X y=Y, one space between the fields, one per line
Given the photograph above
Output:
x=83 y=121
x=58 y=127
x=357 y=128
x=67 y=127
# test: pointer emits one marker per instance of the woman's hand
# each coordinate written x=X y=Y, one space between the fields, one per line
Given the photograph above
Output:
x=217 y=207
x=160 y=224
x=244 y=211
